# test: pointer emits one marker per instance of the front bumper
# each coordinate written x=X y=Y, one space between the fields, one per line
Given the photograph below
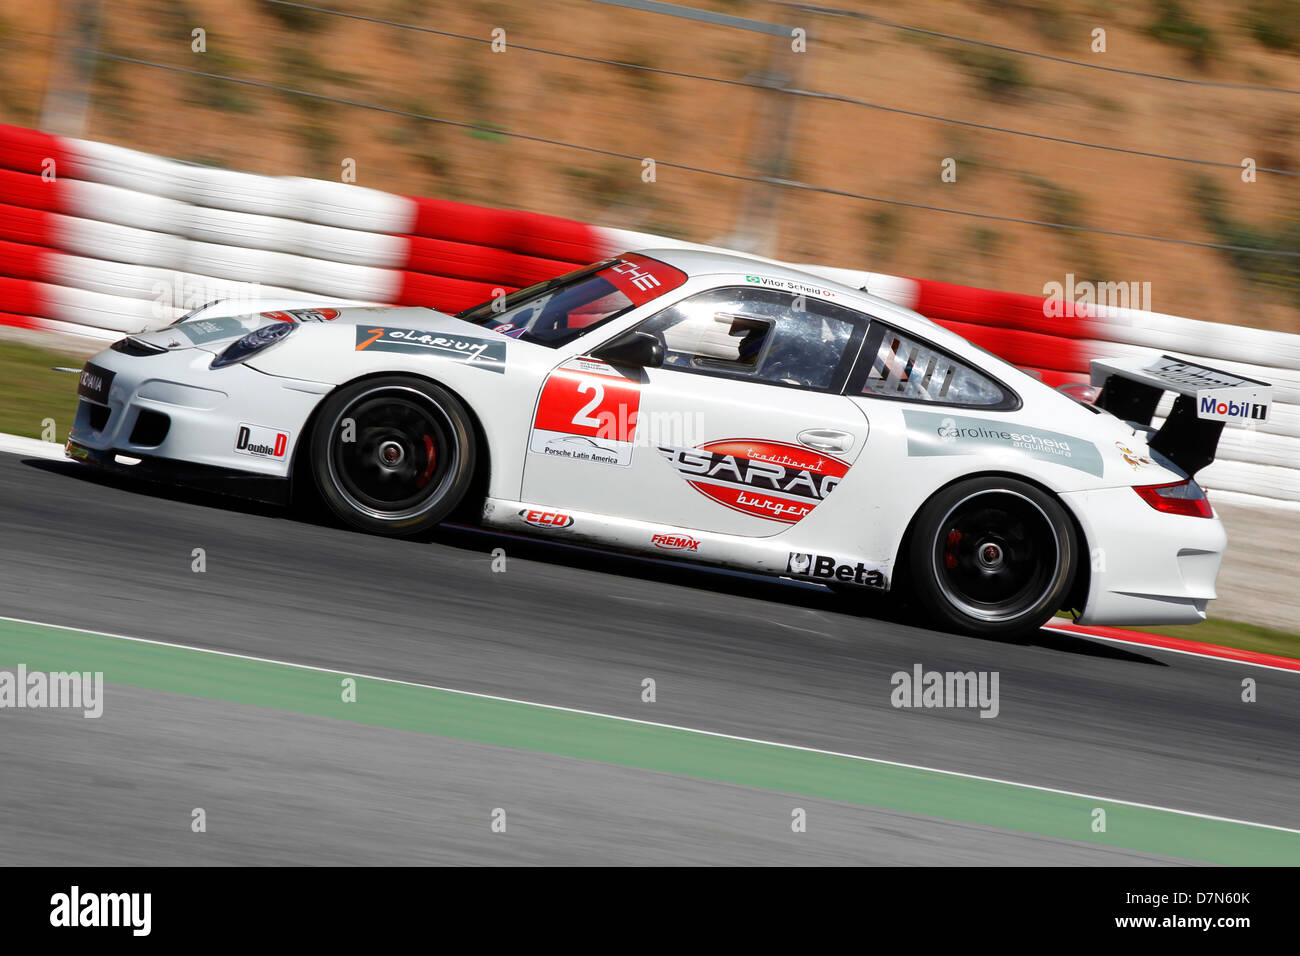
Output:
x=186 y=422
x=1147 y=567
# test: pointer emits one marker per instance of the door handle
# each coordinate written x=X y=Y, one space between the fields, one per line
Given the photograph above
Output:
x=826 y=439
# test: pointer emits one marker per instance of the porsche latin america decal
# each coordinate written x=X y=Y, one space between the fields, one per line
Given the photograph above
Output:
x=587 y=412
x=459 y=348
x=930 y=434
x=766 y=479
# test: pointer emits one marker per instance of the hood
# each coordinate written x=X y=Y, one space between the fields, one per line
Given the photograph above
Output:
x=215 y=333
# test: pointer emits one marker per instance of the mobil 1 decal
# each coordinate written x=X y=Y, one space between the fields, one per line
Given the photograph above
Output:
x=587 y=412
x=766 y=479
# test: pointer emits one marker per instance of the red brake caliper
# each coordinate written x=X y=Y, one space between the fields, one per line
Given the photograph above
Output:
x=431 y=454
x=950 y=548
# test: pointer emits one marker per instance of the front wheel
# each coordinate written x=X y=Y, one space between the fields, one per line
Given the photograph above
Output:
x=993 y=556
x=392 y=455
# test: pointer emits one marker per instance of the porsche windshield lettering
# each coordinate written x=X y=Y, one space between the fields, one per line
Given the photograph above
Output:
x=555 y=312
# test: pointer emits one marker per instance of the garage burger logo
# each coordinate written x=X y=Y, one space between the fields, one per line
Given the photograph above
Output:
x=766 y=479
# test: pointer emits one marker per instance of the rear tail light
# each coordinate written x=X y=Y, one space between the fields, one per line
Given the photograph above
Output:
x=1177 y=498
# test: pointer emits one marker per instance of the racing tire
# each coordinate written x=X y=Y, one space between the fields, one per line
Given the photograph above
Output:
x=392 y=455
x=992 y=557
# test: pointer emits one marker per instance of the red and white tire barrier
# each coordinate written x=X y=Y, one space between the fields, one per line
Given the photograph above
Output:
x=99 y=240
x=115 y=240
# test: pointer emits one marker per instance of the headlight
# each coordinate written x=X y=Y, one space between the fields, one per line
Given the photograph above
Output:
x=253 y=343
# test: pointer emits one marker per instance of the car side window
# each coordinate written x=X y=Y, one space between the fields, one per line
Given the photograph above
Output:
x=761 y=335
x=904 y=367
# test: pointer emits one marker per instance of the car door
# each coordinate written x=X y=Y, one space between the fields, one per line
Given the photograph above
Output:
x=742 y=431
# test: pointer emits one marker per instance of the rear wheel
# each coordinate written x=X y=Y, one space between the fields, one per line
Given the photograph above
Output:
x=993 y=556
x=392 y=455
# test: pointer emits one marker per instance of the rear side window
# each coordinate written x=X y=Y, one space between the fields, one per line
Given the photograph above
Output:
x=899 y=366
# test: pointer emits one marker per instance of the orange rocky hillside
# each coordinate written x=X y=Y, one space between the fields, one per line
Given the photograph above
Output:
x=677 y=121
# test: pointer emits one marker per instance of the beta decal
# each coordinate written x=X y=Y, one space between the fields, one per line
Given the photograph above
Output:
x=587 y=412
x=303 y=315
x=546 y=519
x=261 y=442
x=822 y=567
x=766 y=479
x=675 y=542
x=459 y=348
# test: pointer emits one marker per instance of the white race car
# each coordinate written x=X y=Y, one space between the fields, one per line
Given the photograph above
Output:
x=709 y=408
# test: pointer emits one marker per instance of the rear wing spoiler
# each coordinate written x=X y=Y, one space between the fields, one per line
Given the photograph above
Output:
x=1207 y=399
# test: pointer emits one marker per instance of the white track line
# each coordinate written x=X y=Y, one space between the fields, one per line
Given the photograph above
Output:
x=17 y=445
x=650 y=723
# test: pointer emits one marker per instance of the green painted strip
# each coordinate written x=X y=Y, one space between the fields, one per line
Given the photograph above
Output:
x=609 y=740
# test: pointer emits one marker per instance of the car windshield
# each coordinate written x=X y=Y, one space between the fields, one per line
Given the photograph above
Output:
x=555 y=312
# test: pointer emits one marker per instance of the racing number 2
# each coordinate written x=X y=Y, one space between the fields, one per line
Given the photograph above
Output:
x=598 y=395
x=596 y=406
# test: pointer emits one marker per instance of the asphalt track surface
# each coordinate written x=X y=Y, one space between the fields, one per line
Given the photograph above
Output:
x=577 y=629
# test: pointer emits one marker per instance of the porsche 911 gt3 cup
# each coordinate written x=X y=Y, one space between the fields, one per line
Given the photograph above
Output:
x=708 y=408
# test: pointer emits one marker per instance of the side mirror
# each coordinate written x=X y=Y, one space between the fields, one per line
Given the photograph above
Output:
x=633 y=350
